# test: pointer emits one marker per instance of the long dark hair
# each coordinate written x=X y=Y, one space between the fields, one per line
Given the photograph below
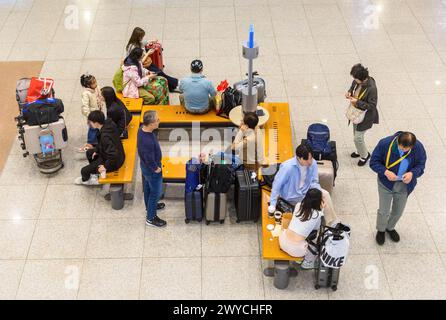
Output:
x=312 y=201
x=136 y=37
x=109 y=96
x=134 y=59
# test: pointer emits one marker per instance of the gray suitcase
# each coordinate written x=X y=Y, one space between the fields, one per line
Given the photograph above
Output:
x=326 y=174
x=326 y=277
x=32 y=134
x=216 y=207
x=258 y=83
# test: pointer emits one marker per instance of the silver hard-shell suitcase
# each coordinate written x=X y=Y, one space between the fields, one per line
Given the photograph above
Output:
x=326 y=174
x=216 y=207
x=32 y=134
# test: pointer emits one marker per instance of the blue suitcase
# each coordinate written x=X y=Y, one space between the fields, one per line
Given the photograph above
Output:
x=193 y=203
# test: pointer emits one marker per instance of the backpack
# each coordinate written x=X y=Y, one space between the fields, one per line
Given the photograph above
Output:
x=220 y=178
x=41 y=112
x=231 y=98
x=318 y=138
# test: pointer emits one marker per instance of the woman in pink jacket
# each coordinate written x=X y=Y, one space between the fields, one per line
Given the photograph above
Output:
x=141 y=83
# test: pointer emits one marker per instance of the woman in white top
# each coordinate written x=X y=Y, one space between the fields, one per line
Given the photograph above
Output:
x=306 y=218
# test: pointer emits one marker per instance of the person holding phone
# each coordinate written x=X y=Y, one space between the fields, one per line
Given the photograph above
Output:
x=399 y=160
x=141 y=83
x=137 y=41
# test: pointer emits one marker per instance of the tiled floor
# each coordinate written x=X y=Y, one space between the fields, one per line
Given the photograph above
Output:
x=61 y=241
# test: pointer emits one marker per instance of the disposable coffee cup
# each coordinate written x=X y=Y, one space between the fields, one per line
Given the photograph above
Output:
x=103 y=174
x=278 y=217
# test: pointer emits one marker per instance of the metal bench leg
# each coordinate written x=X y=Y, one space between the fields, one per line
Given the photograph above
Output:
x=117 y=196
x=282 y=271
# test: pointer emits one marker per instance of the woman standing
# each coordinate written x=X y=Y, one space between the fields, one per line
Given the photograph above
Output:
x=362 y=112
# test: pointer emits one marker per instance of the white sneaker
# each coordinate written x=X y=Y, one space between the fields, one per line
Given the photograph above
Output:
x=308 y=265
x=93 y=181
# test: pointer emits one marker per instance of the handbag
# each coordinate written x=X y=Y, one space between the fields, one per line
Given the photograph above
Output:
x=354 y=114
x=39 y=88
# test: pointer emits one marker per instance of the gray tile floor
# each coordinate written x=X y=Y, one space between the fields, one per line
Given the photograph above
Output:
x=63 y=242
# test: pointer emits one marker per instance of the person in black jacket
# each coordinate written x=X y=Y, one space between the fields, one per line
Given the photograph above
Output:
x=107 y=156
x=116 y=110
x=363 y=95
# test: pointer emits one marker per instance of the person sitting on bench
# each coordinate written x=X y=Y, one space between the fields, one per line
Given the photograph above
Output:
x=107 y=156
x=116 y=110
x=293 y=180
x=306 y=218
x=198 y=93
x=248 y=142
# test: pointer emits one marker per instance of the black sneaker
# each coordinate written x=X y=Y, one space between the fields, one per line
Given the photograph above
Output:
x=355 y=155
x=363 y=161
x=394 y=235
x=156 y=222
x=380 y=238
x=160 y=206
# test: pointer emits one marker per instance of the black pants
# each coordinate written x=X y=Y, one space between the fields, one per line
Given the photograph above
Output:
x=92 y=167
x=172 y=82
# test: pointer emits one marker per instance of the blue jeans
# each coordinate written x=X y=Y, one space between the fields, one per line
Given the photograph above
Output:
x=92 y=136
x=153 y=188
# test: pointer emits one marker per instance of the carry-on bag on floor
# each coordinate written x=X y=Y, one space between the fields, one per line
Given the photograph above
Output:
x=193 y=203
x=193 y=168
x=157 y=56
x=40 y=88
x=32 y=136
x=257 y=82
x=216 y=207
x=247 y=196
x=326 y=174
x=332 y=245
x=318 y=139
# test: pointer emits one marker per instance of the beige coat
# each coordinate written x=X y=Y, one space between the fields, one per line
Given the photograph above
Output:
x=91 y=101
x=244 y=144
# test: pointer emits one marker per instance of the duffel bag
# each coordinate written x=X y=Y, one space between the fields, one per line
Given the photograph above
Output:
x=42 y=112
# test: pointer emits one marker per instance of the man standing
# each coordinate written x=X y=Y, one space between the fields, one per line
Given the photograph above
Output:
x=363 y=95
x=293 y=180
x=150 y=155
x=198 y=93
x=399 y=160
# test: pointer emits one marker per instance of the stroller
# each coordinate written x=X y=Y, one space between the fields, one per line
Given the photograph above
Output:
x=42 y=131
x=331 y=248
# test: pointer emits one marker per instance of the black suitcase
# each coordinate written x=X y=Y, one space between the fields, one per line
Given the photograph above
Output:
x=247 y=196
x=193 y=204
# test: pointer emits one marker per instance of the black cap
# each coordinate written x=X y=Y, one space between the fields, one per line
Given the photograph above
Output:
x=196 y=66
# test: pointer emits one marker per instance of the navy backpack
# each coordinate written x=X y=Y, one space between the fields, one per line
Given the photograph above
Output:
x=318 y=138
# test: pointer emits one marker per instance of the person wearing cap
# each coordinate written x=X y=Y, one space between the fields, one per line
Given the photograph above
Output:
x=198 y=93
x=399 y=160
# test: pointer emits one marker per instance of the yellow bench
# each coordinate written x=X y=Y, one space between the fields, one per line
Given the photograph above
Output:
x=175 y=116
x=124 y=175
x=271 y=248
x=133 y=104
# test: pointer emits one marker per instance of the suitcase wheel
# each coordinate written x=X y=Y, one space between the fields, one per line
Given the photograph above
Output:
x=207 y=222
x=334 y=288
x=186 y=220
x=317 y=287
x=222 y=221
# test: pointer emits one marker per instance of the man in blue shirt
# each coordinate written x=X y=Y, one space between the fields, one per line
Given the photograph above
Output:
x=295 y=177
x=198 y=93
x=150 y=156
x=398 y=160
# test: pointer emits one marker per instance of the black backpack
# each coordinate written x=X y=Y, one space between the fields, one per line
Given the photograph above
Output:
x=220 y=178
x=42 y=112
x=231 y=98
